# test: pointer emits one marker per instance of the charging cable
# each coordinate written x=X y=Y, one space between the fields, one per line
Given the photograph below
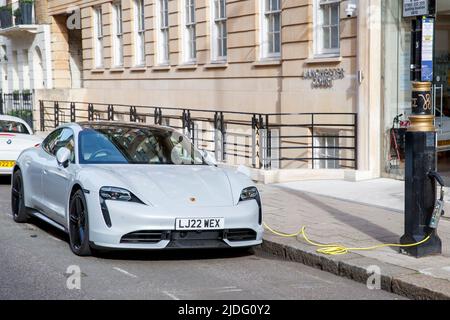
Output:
x=337 y=249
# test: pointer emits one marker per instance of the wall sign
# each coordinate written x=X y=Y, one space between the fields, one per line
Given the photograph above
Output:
x=323 y=78
x=414 y=8
x=427 y=49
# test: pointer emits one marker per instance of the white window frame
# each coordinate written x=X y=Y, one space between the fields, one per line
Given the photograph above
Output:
x=269 y=36
x=139 y=18
x=326 y=145
x=117 y=26
x=321 y=8
x=189 y=32
x=98 y=36
x=219 y=32
x=162 y=27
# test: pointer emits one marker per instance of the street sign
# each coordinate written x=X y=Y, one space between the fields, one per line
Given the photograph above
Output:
x=414 y=8
x=427 y=49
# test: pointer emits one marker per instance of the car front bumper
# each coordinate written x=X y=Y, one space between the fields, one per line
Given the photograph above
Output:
x=242 y=228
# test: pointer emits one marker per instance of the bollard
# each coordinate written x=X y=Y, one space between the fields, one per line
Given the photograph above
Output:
x=420 y=187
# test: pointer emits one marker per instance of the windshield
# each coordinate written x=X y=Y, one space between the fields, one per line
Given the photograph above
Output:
x=136 y=145
x=13 y=127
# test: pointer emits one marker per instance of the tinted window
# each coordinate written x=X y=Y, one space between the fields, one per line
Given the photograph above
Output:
x=136 y=145
x=13 y=127
x=50 y=142
x=58 y=139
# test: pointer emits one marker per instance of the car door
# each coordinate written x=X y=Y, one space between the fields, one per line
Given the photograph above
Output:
x=35 y=166
x=56 y=179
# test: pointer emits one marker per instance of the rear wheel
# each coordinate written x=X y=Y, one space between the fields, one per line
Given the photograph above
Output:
x=19 y=210
x=79 y=225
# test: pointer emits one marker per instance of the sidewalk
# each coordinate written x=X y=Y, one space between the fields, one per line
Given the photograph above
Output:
x=287 y=207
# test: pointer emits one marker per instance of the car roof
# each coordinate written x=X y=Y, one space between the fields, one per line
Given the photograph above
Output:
x=131 y=125
x=11 y=118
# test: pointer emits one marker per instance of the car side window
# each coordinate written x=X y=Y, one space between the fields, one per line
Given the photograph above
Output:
x=58 y=139
x=50 y=142
x=66 y=140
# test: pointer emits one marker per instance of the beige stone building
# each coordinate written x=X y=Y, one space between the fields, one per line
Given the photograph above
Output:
x=255 y=56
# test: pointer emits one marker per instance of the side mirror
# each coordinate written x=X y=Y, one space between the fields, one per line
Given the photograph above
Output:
x=209 y=157
x=63 y=157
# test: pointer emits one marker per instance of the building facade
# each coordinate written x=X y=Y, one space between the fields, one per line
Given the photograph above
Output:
x=25 y=46
x=255 y=56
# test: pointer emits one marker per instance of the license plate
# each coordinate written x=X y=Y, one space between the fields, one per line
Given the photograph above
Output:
x=200 y=224
x=7 y=164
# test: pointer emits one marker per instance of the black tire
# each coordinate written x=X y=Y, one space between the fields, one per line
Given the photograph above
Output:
x=79 y=225
x=19 y=211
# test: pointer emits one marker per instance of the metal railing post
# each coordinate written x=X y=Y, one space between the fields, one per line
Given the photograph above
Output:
x=42 y=115
x=219 y=136
x=158 y=116
x=56 y=114
x=110 y=112
x=255 y=134
x=90 y=112
x=133 y=115
x=73 y=117
x=268 y=163
x=356 y=141
x=313 y=149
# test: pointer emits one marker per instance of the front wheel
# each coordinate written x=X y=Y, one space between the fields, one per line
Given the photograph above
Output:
x=79 y=225
x=19 y=210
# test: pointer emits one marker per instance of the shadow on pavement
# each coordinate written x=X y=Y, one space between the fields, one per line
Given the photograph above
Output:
x=371 y=229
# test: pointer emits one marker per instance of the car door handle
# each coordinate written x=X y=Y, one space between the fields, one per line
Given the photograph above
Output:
x=44 y=171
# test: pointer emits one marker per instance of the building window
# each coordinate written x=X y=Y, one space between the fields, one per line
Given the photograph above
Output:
x=140 y=32
x=219 y=30
x=118 y=34
x=163 y=32
x=271 y=29
x=189 y=35
x=326 y=152
x=327 y=18
x=98 y=37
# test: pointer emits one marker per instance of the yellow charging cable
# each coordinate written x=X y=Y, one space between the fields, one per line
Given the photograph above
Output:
x=337 y=249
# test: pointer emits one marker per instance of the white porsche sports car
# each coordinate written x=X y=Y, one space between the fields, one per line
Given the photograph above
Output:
x=113 y=185
x=15 y=136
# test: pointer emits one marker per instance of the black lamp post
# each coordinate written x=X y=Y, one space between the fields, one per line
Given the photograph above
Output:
x=420 y=158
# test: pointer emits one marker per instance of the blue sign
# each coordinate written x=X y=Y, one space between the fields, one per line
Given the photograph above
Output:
x=427 y=49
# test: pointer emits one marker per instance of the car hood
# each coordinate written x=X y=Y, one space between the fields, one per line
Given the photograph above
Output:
x=170 y=185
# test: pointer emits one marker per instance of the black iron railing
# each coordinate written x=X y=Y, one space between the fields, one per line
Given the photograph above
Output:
x=18 y=105
x=269 y=141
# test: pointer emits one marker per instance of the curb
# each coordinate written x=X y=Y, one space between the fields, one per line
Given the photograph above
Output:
x=398 y=280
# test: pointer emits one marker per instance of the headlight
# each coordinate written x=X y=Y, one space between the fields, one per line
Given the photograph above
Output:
x=114 y=194
x=249 y=194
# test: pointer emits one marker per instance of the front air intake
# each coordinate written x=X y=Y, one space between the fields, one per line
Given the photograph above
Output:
x=236 y=235
x=144 y=237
